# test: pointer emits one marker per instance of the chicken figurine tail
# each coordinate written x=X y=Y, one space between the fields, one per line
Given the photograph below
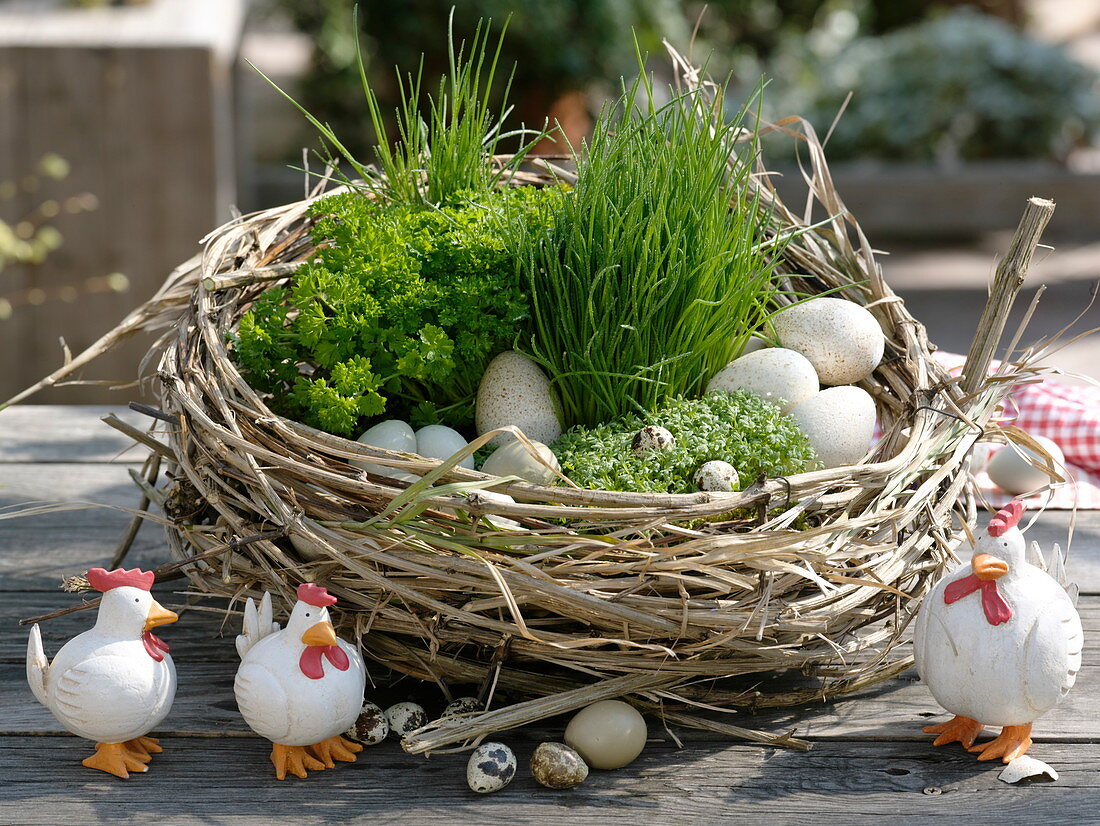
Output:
x=998 y=641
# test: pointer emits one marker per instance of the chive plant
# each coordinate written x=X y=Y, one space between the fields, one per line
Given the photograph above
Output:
x=444 y=142
x=654 y=272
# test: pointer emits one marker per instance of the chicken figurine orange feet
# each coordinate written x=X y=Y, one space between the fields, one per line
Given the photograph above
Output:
x=115 y=682
x=998 y=643
x=300 y=687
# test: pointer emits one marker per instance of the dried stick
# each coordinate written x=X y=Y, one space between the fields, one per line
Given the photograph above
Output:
x=1011 y=273
x=241 y=278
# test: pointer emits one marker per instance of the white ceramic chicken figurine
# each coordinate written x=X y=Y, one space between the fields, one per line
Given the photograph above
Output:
x=300 y=687
x=115 y=682
x=998 y=642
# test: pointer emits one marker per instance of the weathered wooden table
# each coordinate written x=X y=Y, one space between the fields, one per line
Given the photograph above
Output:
x=869 y=760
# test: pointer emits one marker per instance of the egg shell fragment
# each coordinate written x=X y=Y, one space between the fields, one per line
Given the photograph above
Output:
x=841 y=339
x=839 y=422
x=609 y=734
x=438 y=441
x=1010 y=469
x=405 y=717
x=514 y=391
x=491 y=767
x=371 y=726
x=777 y=375
x=394 y=435
x=515 y=459
x=556 y=766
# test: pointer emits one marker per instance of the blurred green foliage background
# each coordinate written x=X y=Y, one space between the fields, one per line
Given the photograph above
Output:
x=931 y=79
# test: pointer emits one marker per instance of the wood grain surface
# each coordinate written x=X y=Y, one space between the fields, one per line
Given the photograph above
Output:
x=869 y=762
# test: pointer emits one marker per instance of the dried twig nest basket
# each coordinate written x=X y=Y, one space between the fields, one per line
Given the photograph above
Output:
x=583 y=595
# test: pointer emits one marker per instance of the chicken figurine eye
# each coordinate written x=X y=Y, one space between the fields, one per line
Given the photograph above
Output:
x=300 y=686
x=116 y=682
x=998 y=642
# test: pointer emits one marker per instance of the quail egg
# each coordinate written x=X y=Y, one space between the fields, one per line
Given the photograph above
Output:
x=557 y=766
x=405 y=717
x=371 y=726
x=652 y=438
x=717 y=476
x=463 y=705
x=492 y=767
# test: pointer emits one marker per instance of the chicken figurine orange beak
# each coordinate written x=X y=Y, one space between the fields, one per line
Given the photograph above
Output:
x=159 y=615
x=988 y=567
x=320 y=634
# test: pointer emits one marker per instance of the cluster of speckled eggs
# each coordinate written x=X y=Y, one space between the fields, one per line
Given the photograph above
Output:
x=606 y=735
x=823 y=341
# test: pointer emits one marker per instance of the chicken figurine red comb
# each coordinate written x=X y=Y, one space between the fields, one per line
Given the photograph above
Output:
x=115 y=682
x=303 y=687
x=104 y=580
x=998 y=642
x=313 y=594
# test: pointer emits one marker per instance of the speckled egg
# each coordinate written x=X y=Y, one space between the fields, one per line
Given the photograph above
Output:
x=1011 y=470
x=371 y=726
x=839 y=422
x=514 y=391
x=389 y=435
x=840 y=338
x=438 y=441
x=778 y=375
x=492 y=767
x=608 y=735
x=514 y=459
x=405 y=717
x=652 y=438
x=557 y=766
x=717 y=476
x=462 y=705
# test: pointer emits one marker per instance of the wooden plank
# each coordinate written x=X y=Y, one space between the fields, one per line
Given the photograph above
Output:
x=37 y=553
x=196 y=782
x=204 y=704
x=67 y=433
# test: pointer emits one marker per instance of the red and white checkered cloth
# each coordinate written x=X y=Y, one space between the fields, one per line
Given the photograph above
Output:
x=1070 y=416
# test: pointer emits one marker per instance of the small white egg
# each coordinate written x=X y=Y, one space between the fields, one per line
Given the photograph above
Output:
x=1010 y=469
x=777 y=375
x=371 y=726
x=839 y=422
x=717 y=476
x=652 y=438
x=556 y=766
x=753 y=344
x=438 y=441
x=497 y=522
x=491 y=767
x=389 y=435
x=405 y=717
x=841 y=339
x=462 y=705
x=514 y=459
x=608 y=735
x=514 y=391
